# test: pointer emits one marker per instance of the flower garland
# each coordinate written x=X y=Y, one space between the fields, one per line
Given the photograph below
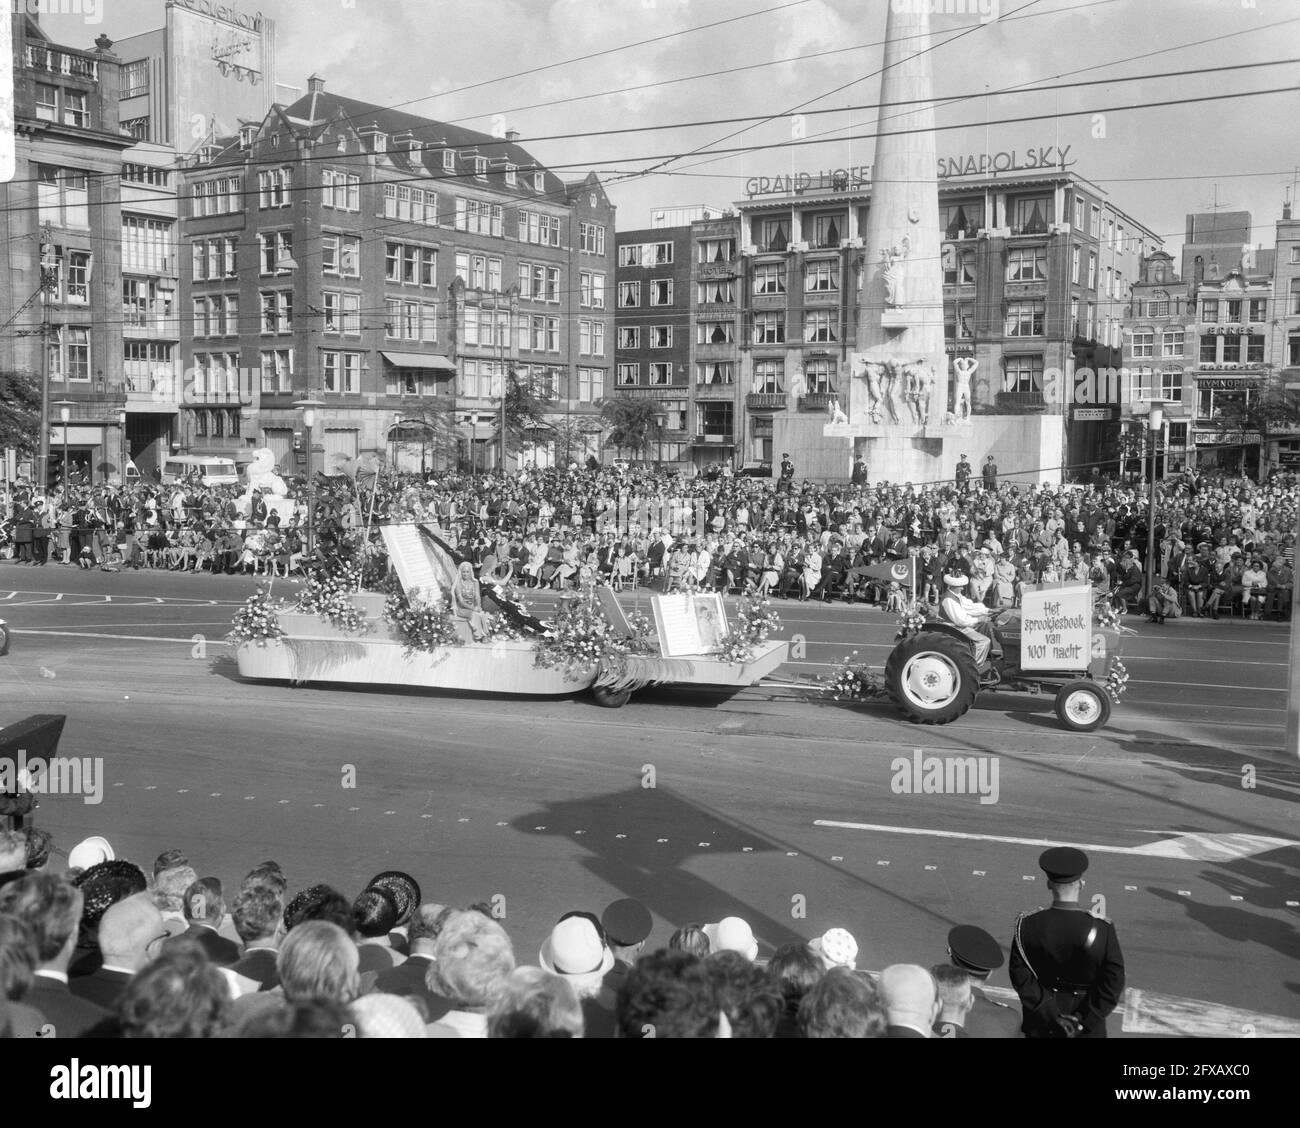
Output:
x=911 y=620
x=851 y=680
x=257 y=620
x=581 y=637
x=1107 y=617
x=755 y=620
x=423 y=626
x=1116 y=679
x=328 y=594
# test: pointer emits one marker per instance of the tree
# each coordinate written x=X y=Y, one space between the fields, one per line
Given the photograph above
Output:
x=20 y=411
x=633 y=422
x=430 y=430
x=527 y=406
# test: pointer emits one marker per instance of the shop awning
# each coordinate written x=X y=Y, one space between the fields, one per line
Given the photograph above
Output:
x=419 y=360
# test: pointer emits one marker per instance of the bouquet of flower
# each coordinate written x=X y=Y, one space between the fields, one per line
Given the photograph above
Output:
x=755 y=621
x=327 y=592
x=257 y=620
x=1116 y=679
x=1106 y=616
x=423 y=626
x=852 y=680
x=580 y=637
x=912 y=620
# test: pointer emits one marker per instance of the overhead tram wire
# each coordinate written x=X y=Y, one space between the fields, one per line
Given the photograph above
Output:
x=708 y=146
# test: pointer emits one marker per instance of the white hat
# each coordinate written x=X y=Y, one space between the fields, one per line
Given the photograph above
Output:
x=837 y=948
x=90 y=852
x=731 y=934
x=575 y=951
x=955 y=581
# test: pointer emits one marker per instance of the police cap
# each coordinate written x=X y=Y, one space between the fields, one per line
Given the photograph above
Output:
x=1063 y=864
x=626 y=922
x=974 y=949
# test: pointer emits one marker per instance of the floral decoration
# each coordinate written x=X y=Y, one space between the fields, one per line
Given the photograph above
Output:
x=755 y=622
x=580 y=637
x=257 y=620
x=423 y=626
x=912 y=619
x=852 y=680
x=327 y=592
x=1116 y=679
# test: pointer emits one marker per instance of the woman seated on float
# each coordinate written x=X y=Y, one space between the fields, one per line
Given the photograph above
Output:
x=467 y=602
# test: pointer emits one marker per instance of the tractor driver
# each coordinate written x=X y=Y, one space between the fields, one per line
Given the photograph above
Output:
x=971 y=618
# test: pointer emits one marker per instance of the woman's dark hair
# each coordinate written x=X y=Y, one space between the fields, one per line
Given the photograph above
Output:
x=794 y=970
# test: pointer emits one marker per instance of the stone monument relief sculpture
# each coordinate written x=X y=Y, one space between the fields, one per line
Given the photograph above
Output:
x=965 y=367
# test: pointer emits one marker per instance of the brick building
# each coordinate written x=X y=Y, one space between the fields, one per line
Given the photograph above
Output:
x=394 y=268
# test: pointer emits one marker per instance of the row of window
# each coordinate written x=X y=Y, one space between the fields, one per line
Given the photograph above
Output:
x=1245 y=349
x=412 y=321
x=62 y=105
x=645 y=254
x=1144 y=343
x=1229 y=311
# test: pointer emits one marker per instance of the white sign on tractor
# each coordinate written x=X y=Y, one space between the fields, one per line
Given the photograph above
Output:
x=1056 y=628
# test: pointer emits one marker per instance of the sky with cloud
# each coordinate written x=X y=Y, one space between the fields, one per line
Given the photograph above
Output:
x=587 y=82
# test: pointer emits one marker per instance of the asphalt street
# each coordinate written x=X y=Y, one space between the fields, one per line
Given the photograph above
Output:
x=775 y=804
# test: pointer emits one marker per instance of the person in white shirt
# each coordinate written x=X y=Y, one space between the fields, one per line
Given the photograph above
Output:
x=968 y=616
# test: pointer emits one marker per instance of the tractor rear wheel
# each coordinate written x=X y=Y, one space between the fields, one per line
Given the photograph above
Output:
x=932 y=678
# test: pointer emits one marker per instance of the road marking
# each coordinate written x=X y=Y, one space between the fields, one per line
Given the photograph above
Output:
x=1184 y=847
x=1149 y=1012
x=119 y=638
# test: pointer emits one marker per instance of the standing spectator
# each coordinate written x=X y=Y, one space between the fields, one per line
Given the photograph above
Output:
x=962 y=475
x=989 y=471
x=978 y=954
x=257 y=912
x=842 y=1004
x=205 y=908
x=955 y=1001
x=911 y=1002
x=472 y=960
x=131 y=933
x=415 y=977
x=859 y=477
x=787 y=474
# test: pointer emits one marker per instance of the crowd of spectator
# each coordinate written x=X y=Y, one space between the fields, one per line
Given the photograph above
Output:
x=1220 y=543
x=108 y=950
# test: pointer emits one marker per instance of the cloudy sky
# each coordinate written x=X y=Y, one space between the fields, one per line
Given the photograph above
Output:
x=592 y=67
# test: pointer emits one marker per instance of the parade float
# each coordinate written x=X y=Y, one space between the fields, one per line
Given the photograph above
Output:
x=332 y=632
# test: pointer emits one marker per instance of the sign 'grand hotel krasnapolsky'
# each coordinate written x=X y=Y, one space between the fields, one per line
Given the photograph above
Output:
x=1034 y=159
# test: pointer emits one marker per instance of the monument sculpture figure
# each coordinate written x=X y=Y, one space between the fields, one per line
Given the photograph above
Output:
x=835 y=411
x=890 y=272
x=965 y=367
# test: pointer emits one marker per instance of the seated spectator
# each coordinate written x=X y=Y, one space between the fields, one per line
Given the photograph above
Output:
x=102 y=885
x=690 y=938
x=794 y=970
x=258 y=912
x=319 y=902
x=131 y=933
x=318 y=960
x=533 y=1003
x=169 y=889
x=374 y=913
x=910 y=1000
x=52 y=907
x=472 y=959
x=415 y=976
x=1254 y=586
x=731 y=934
x=18 y=960
x=842 y=1004
x=576 y=951
x=745 y=995
x=668 y=995
x=1280 y=588
x=204 y=907
x=405 y=891
x=180 y=995
x=837 y=948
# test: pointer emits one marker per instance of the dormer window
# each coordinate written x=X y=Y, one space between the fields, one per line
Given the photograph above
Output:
x=246 y=134
x=539 y=181
x=374 y=139
x=512 y=177
x=449 y=160
x=480 y=168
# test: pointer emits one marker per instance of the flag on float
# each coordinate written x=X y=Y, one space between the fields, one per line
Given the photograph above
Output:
x=899 y=571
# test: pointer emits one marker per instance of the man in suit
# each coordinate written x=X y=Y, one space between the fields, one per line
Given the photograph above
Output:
x=627 y=923
x=131 y=933
x=1066 y=965
x=257 y=913
x=414 y=977
x=205 y=909
x=911 y=1001
x=52 y=907
x=979 y=955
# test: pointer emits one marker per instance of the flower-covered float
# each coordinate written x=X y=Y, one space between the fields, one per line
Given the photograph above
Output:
x=439 y=627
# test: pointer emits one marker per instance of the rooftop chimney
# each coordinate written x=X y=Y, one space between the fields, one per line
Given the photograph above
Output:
x=315 y=85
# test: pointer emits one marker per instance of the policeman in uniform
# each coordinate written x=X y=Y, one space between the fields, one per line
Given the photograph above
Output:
x=1066 y=965
x=978 y=954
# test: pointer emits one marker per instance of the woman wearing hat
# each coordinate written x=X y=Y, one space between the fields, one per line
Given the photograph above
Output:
x=1254 y=586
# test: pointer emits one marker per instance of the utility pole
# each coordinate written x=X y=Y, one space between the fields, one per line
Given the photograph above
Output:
x=48 y=274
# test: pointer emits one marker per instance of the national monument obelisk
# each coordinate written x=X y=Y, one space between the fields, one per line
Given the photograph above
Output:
x=898 y=395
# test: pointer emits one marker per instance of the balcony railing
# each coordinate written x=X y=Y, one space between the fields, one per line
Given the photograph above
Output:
x=713 y=438
x=1023 y=402
x=816 y=401
x=61 y=62
x=765 y=401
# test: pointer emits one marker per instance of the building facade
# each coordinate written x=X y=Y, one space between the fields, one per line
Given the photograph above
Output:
x=1284 y=349
x=653 y=304
x=393 y=268
x=1037 y=269
x=63 y=217
x=717 y=280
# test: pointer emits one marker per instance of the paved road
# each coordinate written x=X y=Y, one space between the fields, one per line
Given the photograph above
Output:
x=778 y=807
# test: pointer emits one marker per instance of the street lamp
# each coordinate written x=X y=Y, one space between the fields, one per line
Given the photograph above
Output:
x=65 y=414
x=121 y=422
x=1155 y=424
x=308 y=408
